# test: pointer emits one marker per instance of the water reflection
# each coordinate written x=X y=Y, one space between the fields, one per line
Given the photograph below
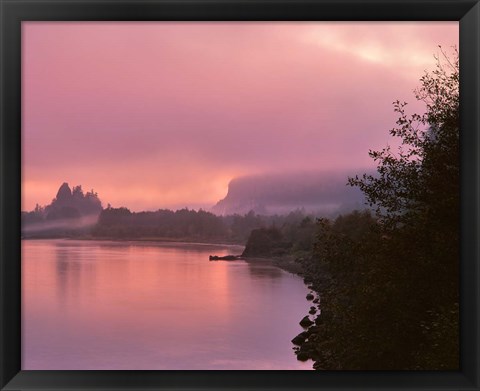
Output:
x=135 y=305
x=264 y=269
x=75 y=273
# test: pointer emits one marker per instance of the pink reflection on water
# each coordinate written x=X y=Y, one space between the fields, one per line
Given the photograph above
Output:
x=132 y=305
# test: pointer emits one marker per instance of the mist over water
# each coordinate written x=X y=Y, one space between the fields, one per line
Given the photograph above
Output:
x=131 y=305
x=47 y=226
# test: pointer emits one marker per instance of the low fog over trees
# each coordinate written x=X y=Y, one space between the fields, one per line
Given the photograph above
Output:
x=73 y=213
x=318 y=192
x=70 y=211
x=68 y=204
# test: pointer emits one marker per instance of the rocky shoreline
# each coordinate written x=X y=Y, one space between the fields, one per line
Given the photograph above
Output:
x=305 y=343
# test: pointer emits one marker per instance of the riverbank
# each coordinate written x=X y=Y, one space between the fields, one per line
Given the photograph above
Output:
x=287 y=263
x=305 y=344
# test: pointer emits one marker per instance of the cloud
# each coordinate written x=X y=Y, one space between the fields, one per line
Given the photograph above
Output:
x=172 y=111
x=403 y=46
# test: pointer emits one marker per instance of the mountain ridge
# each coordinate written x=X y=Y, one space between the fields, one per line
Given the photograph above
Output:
x=273 y=193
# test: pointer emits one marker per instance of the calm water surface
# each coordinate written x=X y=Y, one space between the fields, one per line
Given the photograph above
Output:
x=139 y=305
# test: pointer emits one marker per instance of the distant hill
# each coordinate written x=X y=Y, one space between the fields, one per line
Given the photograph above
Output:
x=315 y=192
x=71 y=210
x=73 y=203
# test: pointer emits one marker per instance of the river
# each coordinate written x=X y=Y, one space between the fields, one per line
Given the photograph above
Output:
x=147 y=305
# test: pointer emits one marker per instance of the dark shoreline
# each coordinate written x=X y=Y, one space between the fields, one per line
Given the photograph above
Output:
x=285 y=263
x=304 y=344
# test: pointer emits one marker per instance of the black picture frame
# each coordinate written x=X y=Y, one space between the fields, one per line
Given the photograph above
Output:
x=13 y=12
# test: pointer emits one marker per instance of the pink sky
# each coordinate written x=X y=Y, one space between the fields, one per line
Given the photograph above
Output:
x=164 y=114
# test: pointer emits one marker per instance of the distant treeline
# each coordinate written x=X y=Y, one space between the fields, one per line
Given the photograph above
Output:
x=75 y=214
x=186 y=224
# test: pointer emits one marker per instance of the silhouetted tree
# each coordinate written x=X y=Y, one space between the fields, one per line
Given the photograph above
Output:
x=417 y=195
x=420 y=180
x=391 y=301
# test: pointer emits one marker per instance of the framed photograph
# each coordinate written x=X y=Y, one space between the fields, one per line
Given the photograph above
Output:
x=239 y=194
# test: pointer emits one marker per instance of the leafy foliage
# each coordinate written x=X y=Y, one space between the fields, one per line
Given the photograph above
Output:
x=421 y=179
x=389 y=283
